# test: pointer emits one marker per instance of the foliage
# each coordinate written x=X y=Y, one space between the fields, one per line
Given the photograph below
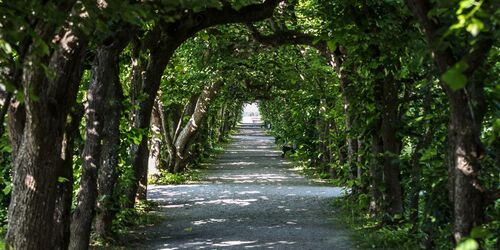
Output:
x=129 y=220
x=166 y=178
x=369 y=233
x=328 y=97
x=375 y=50
x=5 y=182
x=138 y=216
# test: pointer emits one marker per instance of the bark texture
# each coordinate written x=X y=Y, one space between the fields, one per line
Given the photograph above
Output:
x=392 y=146
x=348 y=92
x=108 y=172
x=166 y=135
x=150 y=84
x=62 y=215
x=105 y=70
x=187 y=134
x=466 y=149
x=4 y=108
x=36 y=164
x=376 y=176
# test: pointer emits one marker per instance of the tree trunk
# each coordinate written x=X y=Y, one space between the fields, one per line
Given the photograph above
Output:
x=376 y=177
x=185 y=137
x=150 y=84
x=212 y=127
x=361 y=161
x=167 y=138
x=468 y=194
x=16 y=122
x=322 y=126
x=341 y=153
x=108 y=172
x=38 y=142
x=156 y=138
x=4 y=108
x=392 y=148
x=177 y=163
x=87 y=194
x=327 y=145
x=223 y=125
x=62 y=215
x=466 y=149
x=228 y=124
x=105 y=71
x=348 y=92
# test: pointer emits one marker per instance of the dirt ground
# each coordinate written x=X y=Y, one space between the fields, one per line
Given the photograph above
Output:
x=248 y=199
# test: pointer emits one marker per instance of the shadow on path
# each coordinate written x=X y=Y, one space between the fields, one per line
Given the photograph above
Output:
x=248 y=199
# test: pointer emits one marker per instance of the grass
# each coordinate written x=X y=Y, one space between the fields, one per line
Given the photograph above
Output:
x=126 y=224
x=3 y=231
x=370 y=234
x=367 y=231
x=192 y=174
x=212 y=154
x=166 y=178
x=304 y=168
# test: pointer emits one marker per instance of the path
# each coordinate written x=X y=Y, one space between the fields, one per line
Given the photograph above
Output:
x=249 y=200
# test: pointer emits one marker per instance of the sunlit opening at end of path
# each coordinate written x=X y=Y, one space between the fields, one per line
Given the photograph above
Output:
x=251 y=113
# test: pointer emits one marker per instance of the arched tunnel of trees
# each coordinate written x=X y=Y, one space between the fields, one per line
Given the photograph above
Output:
x=396 y=100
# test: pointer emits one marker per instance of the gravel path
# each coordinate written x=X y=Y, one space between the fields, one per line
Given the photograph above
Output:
x=249 y=199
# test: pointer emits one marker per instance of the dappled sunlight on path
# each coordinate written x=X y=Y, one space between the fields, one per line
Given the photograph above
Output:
x=248 y=199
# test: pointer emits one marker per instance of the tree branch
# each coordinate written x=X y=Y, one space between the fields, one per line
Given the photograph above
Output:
x=165 y=130
x=477 y=55
x=187 y=111
x=420 y=8
x=204 y=100
x=191 y=22
x=288 y=37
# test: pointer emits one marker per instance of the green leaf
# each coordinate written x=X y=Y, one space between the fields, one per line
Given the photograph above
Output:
x=43 y=48
x=332 y=45
x=468 y=244
x=465 y=4
x=480 y=233
x=5 y=46
x=204 y=36
x=455 y=79
x=7 y=189
x=475 y=26
x=454 y=76
x=9 y=87
x=316 y=41
x=20 y=96
x=61 y=179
